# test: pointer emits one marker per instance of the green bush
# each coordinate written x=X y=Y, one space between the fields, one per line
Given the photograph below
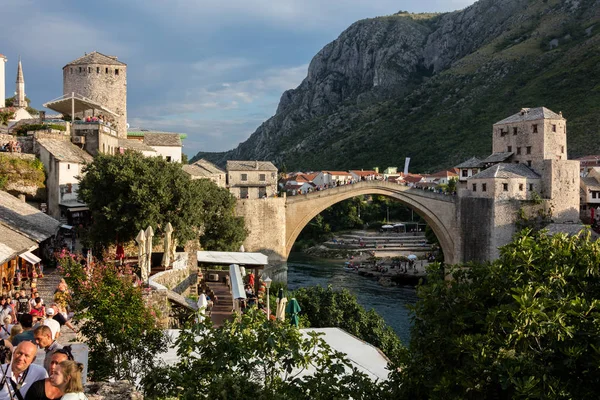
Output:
x=121 y=331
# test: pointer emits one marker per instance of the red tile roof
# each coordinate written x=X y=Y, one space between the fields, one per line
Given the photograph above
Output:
x=338 y=173
x=364 y=173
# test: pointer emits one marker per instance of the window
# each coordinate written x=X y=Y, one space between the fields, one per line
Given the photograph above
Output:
x=116 y=71
x=553 y=127
x=244 y=193
x=534 y=128
x=562 y=149
x=262 y=192
x=262 y=177
x=484 y=187
x=509 y=149
x=168 y=158
x=79 y=69
x=69 y=188
x=465 y=173
x=515 y=130
x=68 y=166
x=531 y=187
x=97 y=70
x=106 y=70
x=244 y=177
x=518 y=150
x=71 y=70
x=529 y=163
x=474 y=187
x=89 y=70
x=502 y=133
x=528 y=149
x=505 y=187
x=520 y=187
x=594 y=195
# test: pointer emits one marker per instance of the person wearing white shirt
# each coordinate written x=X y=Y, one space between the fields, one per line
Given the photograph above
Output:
x=51 y=323
x=19 y=375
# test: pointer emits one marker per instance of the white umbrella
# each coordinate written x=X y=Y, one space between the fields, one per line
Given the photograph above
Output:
x=149 y=235
x=173 y=248
x=280 y=313
x=202 y=304
x=243 y=271
x=242 y=249
x=412 y=257
x=166 y=260
x=141 y=241
x=386 y=227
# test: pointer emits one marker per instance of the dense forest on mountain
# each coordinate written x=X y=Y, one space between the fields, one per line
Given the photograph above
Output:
x=430 y=87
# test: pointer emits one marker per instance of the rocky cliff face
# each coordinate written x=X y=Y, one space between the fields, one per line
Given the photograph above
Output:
x=382 y=72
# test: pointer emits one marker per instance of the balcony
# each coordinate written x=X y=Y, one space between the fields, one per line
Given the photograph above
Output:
x=94 y=126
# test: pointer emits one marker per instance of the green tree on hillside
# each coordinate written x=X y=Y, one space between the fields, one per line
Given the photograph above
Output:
x=525 y=326
x=127 y=192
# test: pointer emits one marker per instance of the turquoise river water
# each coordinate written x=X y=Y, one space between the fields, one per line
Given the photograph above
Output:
x=389 y=302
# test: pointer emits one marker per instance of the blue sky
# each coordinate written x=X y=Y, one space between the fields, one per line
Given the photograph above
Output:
x=214 y=70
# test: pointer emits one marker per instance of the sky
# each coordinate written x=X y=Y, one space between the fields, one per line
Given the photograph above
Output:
x=214 y=70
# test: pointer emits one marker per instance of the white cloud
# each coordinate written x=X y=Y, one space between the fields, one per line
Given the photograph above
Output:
x=293 y=15
x=55 y=38
x=218 y=117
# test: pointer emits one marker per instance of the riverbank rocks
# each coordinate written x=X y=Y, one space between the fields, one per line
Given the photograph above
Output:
x=384 y=281
x=120 y=390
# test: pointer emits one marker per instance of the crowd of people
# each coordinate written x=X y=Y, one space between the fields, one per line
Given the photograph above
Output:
x=28 y=323
x=103 y=119
x=12 y=146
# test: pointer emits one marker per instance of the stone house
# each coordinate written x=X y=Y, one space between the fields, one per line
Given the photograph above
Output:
x=590 y=194
x=588 y=162
x=468 y=168
x=136 y=145
x=329 y=178
x=24 y=233
x=293 y=189
x=532 y=135
x=505 y=182
x=443 y=177
x=166 y=145
x=251 y=179
x=64 y=163
x=365 y=175
x=203 y=169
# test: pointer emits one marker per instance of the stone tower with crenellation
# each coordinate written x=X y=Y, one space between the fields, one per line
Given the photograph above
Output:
x=103 y=79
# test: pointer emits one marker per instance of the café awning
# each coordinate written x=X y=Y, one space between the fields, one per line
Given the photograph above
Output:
x=76 y=103
x=30 y=257
x=228 y=258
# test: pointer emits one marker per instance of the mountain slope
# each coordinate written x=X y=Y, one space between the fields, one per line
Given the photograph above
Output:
x=430 y=87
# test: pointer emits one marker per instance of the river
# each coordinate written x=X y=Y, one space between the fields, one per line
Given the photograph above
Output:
x=389 y=302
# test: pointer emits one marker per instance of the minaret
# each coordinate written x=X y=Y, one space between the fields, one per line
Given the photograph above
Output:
x=2 y=81
x=20 y=93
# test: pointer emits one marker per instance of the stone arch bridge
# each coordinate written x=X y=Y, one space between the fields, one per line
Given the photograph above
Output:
x=275 y=223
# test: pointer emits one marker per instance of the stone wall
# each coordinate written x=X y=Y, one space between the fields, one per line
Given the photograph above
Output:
x=180 y=281
x=560 y=182
x=266 y=224
x=475 y=216
x=158 y=301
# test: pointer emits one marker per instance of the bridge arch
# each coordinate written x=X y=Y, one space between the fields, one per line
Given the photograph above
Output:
x=439 y=211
